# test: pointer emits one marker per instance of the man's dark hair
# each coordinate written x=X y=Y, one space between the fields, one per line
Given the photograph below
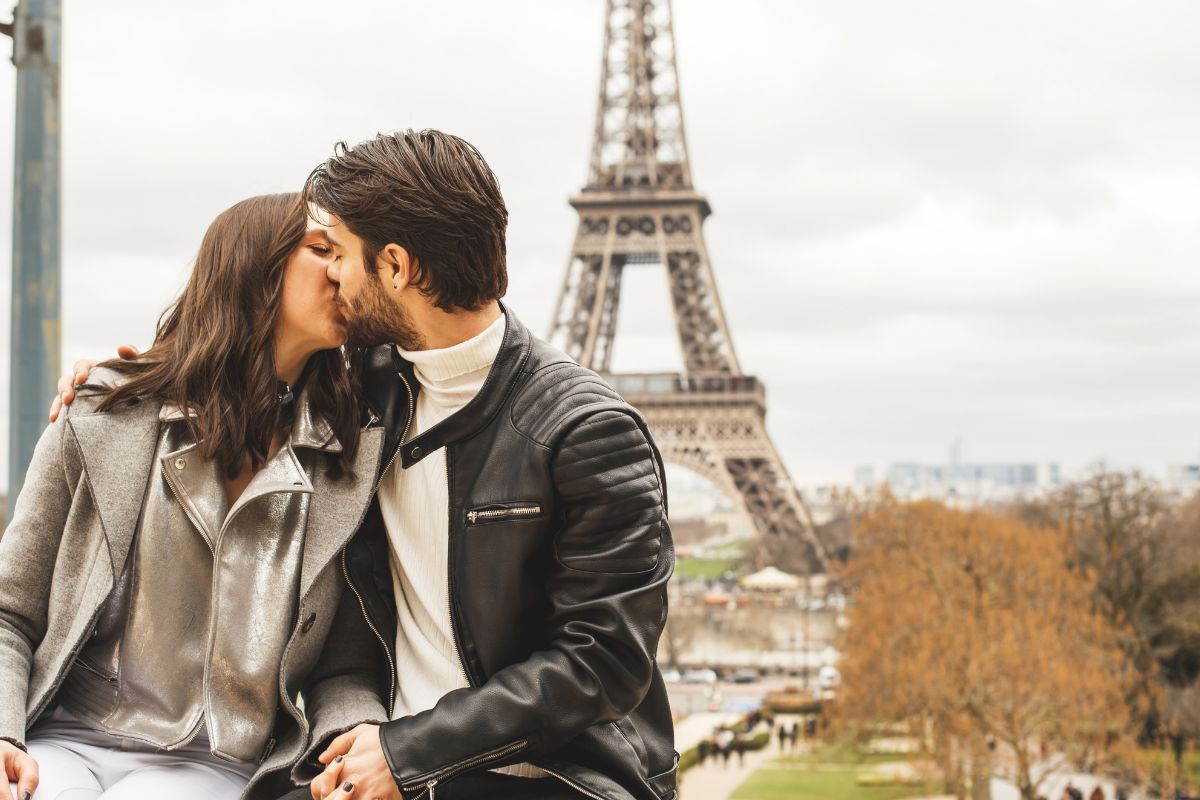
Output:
x=432 y=194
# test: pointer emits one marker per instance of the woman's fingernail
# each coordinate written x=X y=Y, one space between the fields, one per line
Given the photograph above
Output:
x=26 y=796
x=337 y=760
x=346 y=787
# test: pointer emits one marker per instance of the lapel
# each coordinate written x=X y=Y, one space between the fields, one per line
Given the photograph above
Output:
x=117 y=449
x=337 y=507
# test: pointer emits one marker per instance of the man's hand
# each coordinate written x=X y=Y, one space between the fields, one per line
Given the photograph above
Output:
x=355 y=767
x=78 y=375
x=21 y=769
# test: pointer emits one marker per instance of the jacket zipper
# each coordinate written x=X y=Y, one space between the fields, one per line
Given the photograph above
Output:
x=449 y=572
x=212 y=631
x=386 y=650
x=430 y=786
x=574 y=785
x=454 y=769
x=188 y=513
x=500 y=513
x=412 y=411
x=95 y=671
x=208 y=647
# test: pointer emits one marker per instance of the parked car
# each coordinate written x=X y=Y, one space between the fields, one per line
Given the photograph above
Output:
x=671 y=676
x=699 y=676
x=745 y=676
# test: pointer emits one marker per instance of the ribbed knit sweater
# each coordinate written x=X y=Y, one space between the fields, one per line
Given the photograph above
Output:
x=414 y=505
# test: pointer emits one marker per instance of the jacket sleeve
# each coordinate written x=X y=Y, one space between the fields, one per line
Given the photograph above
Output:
x=342 y=690
x=607 y=589
x=28 y=552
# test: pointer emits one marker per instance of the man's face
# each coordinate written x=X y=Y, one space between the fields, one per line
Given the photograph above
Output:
x=374 y=312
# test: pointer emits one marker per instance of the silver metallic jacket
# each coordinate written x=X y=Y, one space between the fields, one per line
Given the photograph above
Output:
x=194 y=632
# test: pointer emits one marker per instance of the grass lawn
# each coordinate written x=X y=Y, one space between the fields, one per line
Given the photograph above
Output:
x=768 y=783
x=707 y=568
x=832 y=754
x=1152 y=761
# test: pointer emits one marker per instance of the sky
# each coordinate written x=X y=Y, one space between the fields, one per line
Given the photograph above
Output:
x=933 y=221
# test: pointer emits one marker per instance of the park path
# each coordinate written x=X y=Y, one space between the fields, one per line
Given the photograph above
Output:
x=714 y=781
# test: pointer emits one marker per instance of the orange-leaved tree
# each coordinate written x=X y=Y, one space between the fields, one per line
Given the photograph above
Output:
x=971 y=628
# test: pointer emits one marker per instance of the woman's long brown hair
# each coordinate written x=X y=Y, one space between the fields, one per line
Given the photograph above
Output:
x=213 y=351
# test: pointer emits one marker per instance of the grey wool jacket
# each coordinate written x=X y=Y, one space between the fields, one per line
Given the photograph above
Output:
x=66 y=545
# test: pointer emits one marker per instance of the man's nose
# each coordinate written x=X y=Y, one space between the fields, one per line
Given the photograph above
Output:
x=333 y=271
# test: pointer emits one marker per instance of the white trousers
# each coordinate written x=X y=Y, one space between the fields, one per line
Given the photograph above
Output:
x=76 y=762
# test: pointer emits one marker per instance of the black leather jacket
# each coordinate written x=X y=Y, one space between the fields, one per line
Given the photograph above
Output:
x=558 y=565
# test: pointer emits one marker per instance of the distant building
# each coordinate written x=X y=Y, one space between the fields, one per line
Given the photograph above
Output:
x=864 y=476
x=965 y=484
x=1183 y=476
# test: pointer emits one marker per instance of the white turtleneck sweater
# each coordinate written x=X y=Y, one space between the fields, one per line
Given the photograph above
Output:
x=414 y=504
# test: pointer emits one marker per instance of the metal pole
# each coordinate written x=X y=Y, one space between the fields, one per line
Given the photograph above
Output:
x=35 y=345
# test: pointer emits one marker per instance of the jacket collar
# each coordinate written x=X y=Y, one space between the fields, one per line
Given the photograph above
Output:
x=117 y=449
x=389 y=385
x=308 y=430
x=118 y=452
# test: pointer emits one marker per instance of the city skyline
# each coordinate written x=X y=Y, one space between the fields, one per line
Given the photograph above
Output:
x=928 y=224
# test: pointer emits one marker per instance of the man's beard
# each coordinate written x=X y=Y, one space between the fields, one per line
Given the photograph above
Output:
x=374 y=320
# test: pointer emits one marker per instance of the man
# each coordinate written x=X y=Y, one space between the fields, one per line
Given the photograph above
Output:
x=514 y=562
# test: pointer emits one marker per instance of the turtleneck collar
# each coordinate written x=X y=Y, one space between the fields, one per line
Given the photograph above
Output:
x=446 y=365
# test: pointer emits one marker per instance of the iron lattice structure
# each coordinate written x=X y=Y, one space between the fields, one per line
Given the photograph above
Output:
x=639 y=207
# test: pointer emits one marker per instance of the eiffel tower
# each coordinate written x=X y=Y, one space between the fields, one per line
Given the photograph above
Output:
x=639 y=208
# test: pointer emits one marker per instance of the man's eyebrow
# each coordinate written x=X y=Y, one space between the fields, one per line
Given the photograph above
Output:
x=333 y=241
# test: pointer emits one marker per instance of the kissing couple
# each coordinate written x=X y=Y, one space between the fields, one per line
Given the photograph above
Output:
x=346 y=529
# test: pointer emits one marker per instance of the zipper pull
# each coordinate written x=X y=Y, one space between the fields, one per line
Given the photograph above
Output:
x=431 y=786
x=472 y=516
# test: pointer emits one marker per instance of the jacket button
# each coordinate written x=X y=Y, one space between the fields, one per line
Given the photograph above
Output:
x=180 y=463
x=416 y=452
x=308 y=623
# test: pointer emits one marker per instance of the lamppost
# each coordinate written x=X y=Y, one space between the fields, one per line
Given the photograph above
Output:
x=36 y=331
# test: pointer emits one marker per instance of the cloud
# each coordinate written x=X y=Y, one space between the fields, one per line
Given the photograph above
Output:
x=932 y=219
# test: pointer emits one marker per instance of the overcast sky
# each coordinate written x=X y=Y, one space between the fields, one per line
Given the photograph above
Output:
x=933 y=220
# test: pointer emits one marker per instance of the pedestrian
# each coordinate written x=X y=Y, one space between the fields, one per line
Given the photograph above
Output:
x=782 y=733
x=725 y=746
x=739 y=746
x=795 y=734
x=702 y=750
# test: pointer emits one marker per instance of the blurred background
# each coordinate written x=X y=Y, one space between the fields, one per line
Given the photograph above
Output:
x=955 y=242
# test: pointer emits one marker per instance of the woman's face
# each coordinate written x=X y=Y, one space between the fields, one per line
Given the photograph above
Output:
x=309 y=319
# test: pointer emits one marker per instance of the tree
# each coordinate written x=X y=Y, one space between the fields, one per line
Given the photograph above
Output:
x=684 y=621
x=970 y=626
x=1143 y=546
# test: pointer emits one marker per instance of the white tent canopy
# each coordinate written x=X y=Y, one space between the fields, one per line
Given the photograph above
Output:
x=770 y=579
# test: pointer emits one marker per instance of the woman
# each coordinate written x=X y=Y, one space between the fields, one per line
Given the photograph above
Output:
x=170 y=576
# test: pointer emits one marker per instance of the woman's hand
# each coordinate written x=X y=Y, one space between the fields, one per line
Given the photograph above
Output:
x=355 y=767
x=20 y=768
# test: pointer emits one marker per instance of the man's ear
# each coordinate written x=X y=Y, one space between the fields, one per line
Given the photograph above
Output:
x=397 y=266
